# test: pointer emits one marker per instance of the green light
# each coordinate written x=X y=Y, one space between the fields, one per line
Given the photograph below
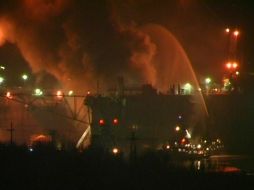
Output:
x=24 y=76
x=208 y=80
x=1 y=80
x=187 y=88
x=38 y=92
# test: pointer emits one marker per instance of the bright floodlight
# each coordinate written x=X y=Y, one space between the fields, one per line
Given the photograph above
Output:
x=2 y=67
x=235 y=65
x=177 y=128
x=187 y=88
x=8 y=95
x=1 y=80
x=227 y=30
x=115 y=150
x=59 y=94
x=236 y=33
x=70 y=93
x=229 y=65
x=208 y=80
x=38 y=92
x=24 y=76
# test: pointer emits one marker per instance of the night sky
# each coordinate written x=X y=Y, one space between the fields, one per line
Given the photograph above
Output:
x=79 y=43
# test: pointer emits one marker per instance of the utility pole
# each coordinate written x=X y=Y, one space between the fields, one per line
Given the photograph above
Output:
x=11 y=130
x=133 y=145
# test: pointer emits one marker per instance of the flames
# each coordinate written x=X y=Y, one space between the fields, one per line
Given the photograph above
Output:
x=2 y=38
x=39 y=139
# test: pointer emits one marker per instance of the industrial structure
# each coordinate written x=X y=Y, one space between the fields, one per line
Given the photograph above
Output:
x=148 y=119
x=30 y=113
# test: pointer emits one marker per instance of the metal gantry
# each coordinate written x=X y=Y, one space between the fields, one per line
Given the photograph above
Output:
x=67 y=107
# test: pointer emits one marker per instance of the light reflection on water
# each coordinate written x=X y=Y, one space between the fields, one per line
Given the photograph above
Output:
x=220 y=163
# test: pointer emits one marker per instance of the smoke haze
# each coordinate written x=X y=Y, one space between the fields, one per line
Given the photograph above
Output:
x=82 y=42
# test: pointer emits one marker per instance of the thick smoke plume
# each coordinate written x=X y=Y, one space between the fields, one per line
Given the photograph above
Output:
x=78 y=42
x=83 y=43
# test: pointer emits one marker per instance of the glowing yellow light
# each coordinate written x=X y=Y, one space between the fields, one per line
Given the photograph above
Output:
x=177 y=128
x=198 y=165
x=198 y=146
x=115 y=150
x=227 y=30
x=168 y=147
x=229 y=65
x=234 y=65
x=226 y=82
x=134 y=127
x=236 y=33
x=70 y=93
x=237 y=73
x=183 y=140
x=8 y=95
x=59 y=94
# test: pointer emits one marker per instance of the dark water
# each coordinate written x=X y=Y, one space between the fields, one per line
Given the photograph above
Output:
x=223 y=164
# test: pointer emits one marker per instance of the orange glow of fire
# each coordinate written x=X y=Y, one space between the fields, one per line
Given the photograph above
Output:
x=2 y=37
